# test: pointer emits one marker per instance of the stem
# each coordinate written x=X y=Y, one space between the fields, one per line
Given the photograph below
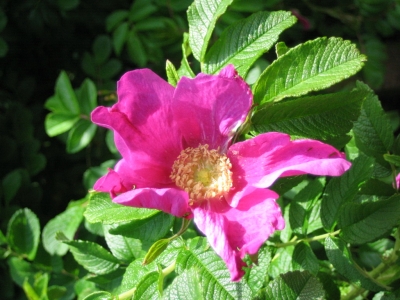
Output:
x=127 y=294
x=314 y=238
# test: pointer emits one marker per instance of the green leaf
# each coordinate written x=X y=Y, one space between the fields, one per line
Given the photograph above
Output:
x=23 y=233
x=101 y=209
x=80 y=135
x=393 y=159
x=242 y=43
x=172 y=74
x=311 y=66
x=92 y=256
x=136 y=50
x=101 y=49
x=67 y=222
x=257 y=276
x=147 y=230
x=66 y=94
x=100 y=295
x=38 y=290
x=122 y=247
x=202 y=16
x=305 y=259
x=20 y=270
x=340 y=257
x=115 y=18
x=11 y=183
x=281 y=49
x=185 y=69
x=111 y=68
x=57 y=123
x=212 y=270
x=120 y=35
x=321 y=117
x=365 y=222
x=293 y=285
x=87 y=96
x=341 y=190
x=186 y=286
x=155 y=250
x=3 y=47
x=147 y=288
x=134 y=274
x=303 y=204
x=373 y=131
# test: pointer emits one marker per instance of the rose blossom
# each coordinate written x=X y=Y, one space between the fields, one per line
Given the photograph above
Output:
x=178 y=157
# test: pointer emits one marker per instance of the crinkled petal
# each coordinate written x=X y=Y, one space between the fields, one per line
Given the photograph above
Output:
x=111 y=183
x=142 y=122
x=235 y=232
x=261 y=160
x=170 y=200
x=209 y=108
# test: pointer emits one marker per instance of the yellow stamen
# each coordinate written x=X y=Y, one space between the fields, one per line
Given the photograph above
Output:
x=202 y=173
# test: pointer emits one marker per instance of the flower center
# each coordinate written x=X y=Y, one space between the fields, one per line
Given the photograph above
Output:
x=202 y=173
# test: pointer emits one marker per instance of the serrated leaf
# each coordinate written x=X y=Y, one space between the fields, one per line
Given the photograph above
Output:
x=23 y=233
x=305 y=259
x=294 y=285
x=122 y=247
x=172 y=74
x=57 y=123
x=101 y=209
x=67 y=222
x=66 y=94
x=258 y=273
x=340 y=257
x=155 y=250
x=321 y=117
x=120 y=35
x=244 y=42
x=303 y=204
x=93 y=257
x=281 y=262
x=281 y=49
x=87 y=96
x=134 y=273
x=147 y=288
x=185 y=286
x=20 y=270
x=341 y=190
x=311 y=66
x=80 y=135
x=100 y=295
x=202 y=16
x=365 y=222
x=373 y=131
x=213 y=271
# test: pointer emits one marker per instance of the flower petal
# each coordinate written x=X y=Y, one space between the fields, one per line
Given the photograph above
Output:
x=170 y=200
x=208 y=108
x=142 y=121
x=235 y=232
x=261 y=160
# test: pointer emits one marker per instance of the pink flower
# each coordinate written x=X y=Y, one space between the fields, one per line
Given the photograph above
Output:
x=397 y=182
x=178 y=157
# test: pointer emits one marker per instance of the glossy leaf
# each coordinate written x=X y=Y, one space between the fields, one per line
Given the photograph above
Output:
x=311 y=66
x=305 y=259
x=57 y=123
x=244 y=42
x=66 y=94
x=87 y=96
x=101 y=209
x=341 y=190
x=365 y=222
x=147 y=287
x=186 y=286
x=80 y=135
x=172 y=74
x=92 y=256
x=23 y=233
x=67 y=222
x=202 y=16
x=155 y=250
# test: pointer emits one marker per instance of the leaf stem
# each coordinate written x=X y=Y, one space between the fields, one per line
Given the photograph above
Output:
x=314 y=238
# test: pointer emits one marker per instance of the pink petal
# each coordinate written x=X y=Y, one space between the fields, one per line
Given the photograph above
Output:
x=142 y=121
x=208 y=108
x=170 y=200
x=235 y=232
x=261 y=160
x=111 y=183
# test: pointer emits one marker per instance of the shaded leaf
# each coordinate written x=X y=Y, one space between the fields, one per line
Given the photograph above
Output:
x=80 y=135
x=66 y=94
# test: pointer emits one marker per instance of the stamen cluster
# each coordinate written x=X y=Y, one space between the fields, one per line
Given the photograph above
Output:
x=202 y=173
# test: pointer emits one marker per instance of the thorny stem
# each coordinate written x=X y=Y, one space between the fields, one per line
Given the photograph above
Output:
x=314 y=238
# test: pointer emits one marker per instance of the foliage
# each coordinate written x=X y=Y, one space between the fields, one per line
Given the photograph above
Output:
x=341 y=237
